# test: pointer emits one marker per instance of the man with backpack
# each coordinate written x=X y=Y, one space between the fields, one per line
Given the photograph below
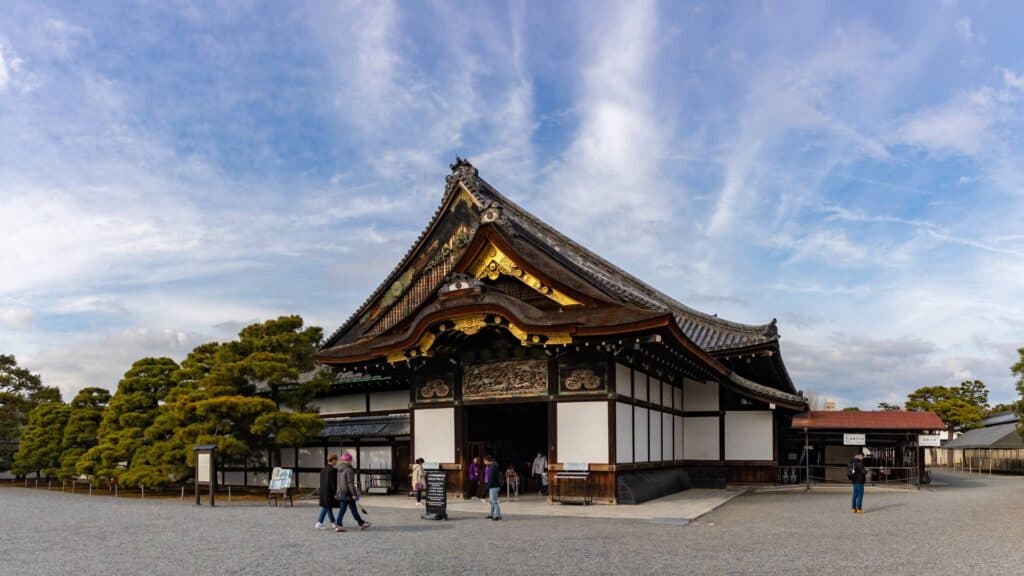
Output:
x=857 y=474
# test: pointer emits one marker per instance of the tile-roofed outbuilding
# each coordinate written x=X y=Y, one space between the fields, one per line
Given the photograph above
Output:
x=860 y=421
x=999 y=436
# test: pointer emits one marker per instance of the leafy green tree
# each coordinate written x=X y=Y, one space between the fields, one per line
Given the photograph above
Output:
x=82 y=428
x=20 y=392
x=1000 y=408
x=851 y=409
x=974 y=392
x=956 y=406
x=886 y=407
x=1018 y=371
x=131 y=410
x=215 y=400
x=41 y=441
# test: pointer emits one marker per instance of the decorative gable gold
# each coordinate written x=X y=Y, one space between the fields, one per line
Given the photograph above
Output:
x=493 y=263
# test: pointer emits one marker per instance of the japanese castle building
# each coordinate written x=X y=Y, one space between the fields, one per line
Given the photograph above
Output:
x=498 y=334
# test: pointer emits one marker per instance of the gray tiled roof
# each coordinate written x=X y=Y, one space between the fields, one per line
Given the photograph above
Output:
x=367 y=427
x=1003 y=436
x=707 y=331
x=1000 y=418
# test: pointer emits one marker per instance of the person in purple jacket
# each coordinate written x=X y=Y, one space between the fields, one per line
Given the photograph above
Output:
x=475 y=476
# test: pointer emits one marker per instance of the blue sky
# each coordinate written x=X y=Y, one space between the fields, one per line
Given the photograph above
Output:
x=171 y=171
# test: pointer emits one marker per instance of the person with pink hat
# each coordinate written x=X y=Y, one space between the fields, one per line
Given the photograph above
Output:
x=348 y=493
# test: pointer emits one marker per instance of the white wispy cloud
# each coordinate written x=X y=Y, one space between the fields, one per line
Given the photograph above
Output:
x=16 y=317
x=103 y=361
x=609 y=176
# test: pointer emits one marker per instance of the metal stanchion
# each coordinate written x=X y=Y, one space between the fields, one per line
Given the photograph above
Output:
x=182 y=493
x=142 y=491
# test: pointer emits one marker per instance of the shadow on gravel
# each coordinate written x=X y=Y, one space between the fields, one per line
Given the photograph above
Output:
x=872 y=509
x=401 y=528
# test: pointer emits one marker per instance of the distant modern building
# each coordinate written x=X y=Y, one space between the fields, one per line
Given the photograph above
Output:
x=497 y=334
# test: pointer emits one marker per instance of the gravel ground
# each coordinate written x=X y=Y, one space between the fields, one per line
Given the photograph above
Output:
x=972 y=526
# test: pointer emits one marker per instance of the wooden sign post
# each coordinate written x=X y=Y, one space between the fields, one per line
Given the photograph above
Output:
x=206 y=469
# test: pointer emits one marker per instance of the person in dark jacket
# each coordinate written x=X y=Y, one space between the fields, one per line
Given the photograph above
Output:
x=328 y=488
x=858 y=475
x=492 y=479
x=348 y=493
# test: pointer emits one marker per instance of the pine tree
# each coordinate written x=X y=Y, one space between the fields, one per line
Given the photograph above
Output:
x=41 y=441
x=20 y=392
x=215 y=400
x=82 y=428
x=131 y=411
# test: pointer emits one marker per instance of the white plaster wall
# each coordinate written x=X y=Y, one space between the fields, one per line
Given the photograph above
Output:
x=622 y=380
x=344 y=404
x=582 y=432
x=623 y=433
x=640 y=385
x=666 y=436
x=677 y=450
x=390 y=400
x=666 y=394
x=748 y=435
x=311 y=457
x=655 y=455
x=700 y=396
x=655 y=394
x=640 y=431
x=677 y=398
x=434 y=434
x=700 y=438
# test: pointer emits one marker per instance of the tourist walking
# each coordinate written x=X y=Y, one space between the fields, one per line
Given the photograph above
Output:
x=419 y=479
x=348 y=494
x=492 y=479
x=475 y=476
x=857 y=474
x=328 y=489
x=540 y=472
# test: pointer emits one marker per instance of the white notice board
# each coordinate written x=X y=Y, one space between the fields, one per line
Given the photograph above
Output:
x=853 y=440
x=203 y=468
x=929 y=440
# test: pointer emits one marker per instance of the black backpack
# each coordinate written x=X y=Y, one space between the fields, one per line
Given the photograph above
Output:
x=851 y=472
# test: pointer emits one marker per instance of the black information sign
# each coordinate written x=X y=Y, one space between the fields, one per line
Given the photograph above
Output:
x=437 y=497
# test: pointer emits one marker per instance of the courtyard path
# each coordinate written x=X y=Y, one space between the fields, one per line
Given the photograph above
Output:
x=969 y=525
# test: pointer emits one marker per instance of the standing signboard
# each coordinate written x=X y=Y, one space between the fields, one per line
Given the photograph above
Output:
x=206 y=469
x=437 y=496
x=854 y=439
x=280 y=486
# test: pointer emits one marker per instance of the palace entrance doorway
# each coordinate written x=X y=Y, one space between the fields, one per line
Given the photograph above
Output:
x=512 y=432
